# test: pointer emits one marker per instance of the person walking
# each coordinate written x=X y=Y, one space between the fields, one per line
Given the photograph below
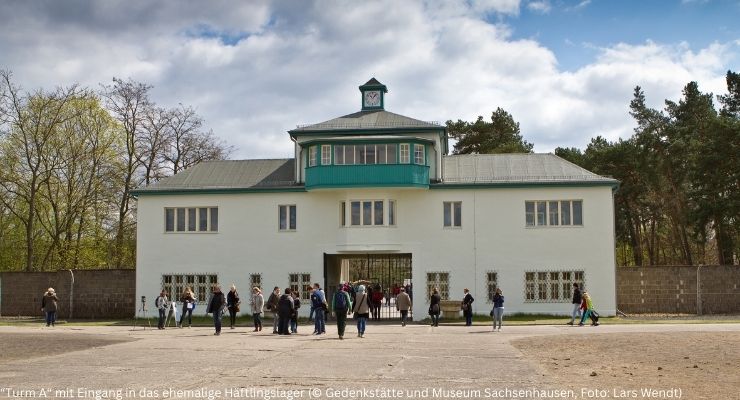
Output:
x=188 y=304
x=49 y=306
x=216 y=306
x=294 y=316
x=403 y=305
x=467 y=307
x=576 y=304
x=434 y=308
x=498 y=309
x=361 y=309
x=257 y=303
x=163 y=305
x=285 y=311
x=341 y=305
x=376 y=301
x=233 y=302
x=319 y=307
x=272 y=306
x=587 y=306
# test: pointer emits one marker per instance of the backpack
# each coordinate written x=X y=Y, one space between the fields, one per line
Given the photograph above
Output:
x=340 y=301
x=316 y=300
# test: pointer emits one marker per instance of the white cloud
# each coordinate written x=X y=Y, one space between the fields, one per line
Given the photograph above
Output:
x=301 y=62
x=540 y=6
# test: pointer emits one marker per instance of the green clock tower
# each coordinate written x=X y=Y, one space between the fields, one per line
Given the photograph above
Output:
x=372 y=95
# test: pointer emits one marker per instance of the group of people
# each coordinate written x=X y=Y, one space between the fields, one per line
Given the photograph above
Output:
x=350 y=298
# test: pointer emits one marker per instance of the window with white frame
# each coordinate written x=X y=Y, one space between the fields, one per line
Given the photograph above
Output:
x=551 y=286
x=419 y=154
x=301 y=283
x=312 y=156
x=287 y=217
x=358 y=154
x=404 y=153
x=325 y=154
x=190 y=219
x=541 y=213
x=440 y=281
x=491 y=284
x=452 y=211
x=201 y=284
x=366 y=213
x=255 y=281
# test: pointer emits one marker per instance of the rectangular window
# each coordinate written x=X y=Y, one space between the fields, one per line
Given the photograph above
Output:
x=564 y=213
x=551 y=286
x=553 y=209
x=202 y=219
x=287 y=217
x=169 y=219
x=367 y=213
x=181 y=220
x=349 y=155
x=312 y=156
x=491 y=284
x=439 y=281
x=404 y=153
x=578 y=212
x=391 y=212
x=359 y=154
x=381 y=153
x=339 y=155
x=343 y=213
x=325 y=154
x=391 y=153
x=355 y=209
x=255 y=281
x=201 y=285
x=541 y=213
x=191 y=219
x=419 y=154
x=452 y=213
x=370 y=154
x=529 y=213
x=301 y=283
x=378 y=211
x=214 y=219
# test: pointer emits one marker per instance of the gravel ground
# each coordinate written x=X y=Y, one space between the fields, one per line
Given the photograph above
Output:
x=22 y=346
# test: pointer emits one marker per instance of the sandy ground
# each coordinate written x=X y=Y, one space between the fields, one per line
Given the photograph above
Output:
x=704 y=365
x=415 y=362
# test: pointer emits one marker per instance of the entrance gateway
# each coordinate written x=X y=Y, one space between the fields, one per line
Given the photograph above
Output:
x=385 y=273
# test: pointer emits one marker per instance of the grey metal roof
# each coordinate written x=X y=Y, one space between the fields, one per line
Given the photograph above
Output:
x=376 y=119
x=502 y=168
x=229 y=174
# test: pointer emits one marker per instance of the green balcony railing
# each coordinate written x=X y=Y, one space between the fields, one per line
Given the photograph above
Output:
x=371 y=175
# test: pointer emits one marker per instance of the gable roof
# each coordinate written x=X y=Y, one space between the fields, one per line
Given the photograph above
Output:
x=367 y=120
x=229 y=174
x=515 y=168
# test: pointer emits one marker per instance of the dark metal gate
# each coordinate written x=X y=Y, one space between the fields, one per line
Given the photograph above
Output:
x=383 y=275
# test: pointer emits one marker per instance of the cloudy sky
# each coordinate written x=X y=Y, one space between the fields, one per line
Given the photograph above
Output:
x=564 y=69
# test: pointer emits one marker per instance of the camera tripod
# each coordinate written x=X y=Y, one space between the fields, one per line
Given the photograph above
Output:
x=143 y=313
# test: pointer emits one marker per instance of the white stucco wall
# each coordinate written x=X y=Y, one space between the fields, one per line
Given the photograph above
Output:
x=493 y=237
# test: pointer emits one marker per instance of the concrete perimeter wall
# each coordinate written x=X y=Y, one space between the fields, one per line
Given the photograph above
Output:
x=679 y=289
x=97 y=294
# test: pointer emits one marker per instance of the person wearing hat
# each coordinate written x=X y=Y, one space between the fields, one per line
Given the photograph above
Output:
x=258 y=302
x=49 y=306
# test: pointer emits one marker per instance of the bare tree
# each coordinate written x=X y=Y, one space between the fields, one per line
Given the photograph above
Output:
x=156 y=139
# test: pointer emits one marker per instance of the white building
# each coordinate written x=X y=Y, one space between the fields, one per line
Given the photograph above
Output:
x=374 y=195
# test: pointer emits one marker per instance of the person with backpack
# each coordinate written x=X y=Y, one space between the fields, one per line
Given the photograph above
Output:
x=258 y=302
x=162 y=305
x=216 y=307
x=576 y=304
x=272 y=306
x=361 y=309
x=285 y=311
x=588 y=310
x=318 y=305
x=341 y=305
x=467 y=307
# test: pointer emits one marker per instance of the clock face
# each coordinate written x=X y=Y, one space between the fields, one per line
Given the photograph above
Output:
x=372 y=98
